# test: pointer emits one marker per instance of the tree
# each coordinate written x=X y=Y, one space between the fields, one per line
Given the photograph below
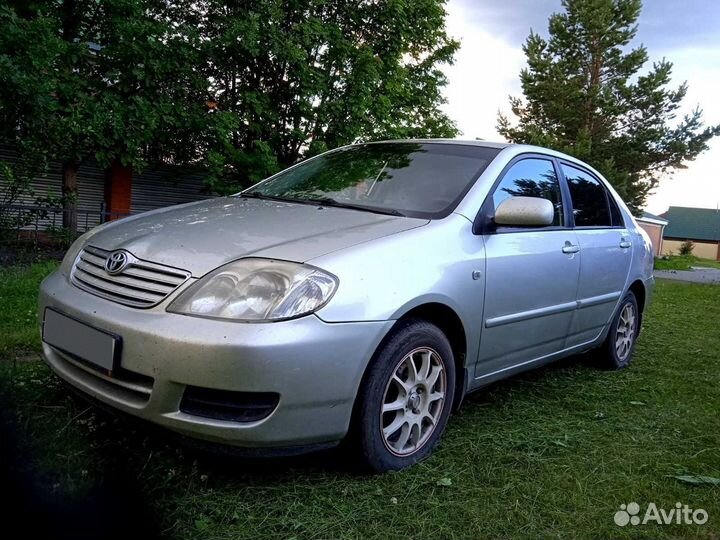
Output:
x=117 y=80
x=586 y=95
x=240 y=88
x=686 y=248
x=26 y=52
x=302 y=76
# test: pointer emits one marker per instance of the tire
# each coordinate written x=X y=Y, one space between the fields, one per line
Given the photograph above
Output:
x=405 y=434
x=617 y=349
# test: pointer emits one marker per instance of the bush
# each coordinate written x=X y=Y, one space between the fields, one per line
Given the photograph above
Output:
x=686 y=248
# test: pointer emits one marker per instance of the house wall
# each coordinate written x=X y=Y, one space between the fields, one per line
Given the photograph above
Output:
x=655 y=233
x=129 y=192
x=704 y=250
x=156 y=188
x=91 y=192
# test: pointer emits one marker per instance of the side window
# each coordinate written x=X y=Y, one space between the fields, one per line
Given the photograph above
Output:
x=589 y=198
x=617 y=219
x=532 y=177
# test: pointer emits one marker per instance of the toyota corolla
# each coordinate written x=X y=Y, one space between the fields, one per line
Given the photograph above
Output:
x=360 y=293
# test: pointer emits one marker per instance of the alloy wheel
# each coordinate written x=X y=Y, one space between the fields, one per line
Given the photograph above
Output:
x=413 y=401
x=625 y=332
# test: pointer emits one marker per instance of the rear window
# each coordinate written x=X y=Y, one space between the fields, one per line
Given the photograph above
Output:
x=615 y=214
x=589 y=198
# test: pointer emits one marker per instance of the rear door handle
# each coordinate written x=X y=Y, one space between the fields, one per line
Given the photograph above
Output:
x=625 y=243
x=570 y=248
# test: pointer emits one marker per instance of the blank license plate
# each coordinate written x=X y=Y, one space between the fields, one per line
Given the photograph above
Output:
x=81 y=340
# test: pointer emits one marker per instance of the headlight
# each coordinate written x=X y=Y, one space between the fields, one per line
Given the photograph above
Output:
x=257 y=290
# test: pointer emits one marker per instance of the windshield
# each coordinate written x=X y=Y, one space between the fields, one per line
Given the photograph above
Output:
x=412 y=179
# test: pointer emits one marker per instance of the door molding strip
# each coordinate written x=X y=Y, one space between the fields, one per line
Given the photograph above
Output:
x=551 y=310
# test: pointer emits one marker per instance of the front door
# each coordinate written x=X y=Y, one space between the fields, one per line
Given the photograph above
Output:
x=531 y=275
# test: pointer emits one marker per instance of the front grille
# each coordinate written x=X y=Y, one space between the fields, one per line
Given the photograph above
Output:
x=227 y=405
x=141 y=284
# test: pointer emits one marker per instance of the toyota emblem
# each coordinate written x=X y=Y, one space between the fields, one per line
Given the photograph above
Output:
x=116 y=262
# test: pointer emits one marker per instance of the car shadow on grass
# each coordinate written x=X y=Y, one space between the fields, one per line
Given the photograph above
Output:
x=234 y=464
x=34 y=504
x=135 y=462
x=556 y=372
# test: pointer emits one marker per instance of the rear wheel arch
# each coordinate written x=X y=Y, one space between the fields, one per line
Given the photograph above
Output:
x=637 y=287
x=608 y=355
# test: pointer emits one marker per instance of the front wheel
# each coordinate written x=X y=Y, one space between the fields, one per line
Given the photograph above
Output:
x=616 y=352
x=406 y=397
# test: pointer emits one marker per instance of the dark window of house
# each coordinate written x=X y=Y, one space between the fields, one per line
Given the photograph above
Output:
x=532 y=178
x=589 y=198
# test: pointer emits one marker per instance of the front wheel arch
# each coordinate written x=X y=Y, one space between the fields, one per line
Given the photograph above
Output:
x=449 y=322
x=361 y=436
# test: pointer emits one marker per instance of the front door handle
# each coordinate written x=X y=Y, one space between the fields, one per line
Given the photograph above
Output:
x=625 y=243
x=570 y=248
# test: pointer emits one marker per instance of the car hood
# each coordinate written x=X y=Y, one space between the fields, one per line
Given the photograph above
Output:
x=203 y=235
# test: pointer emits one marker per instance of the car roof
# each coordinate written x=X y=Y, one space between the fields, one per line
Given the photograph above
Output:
x=487 y=144
x=513 y=147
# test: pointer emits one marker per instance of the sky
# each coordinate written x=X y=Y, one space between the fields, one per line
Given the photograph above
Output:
x=488 y=64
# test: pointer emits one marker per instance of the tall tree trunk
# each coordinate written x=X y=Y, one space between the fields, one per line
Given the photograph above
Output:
x=70 y=16
x=70 y=193
x=70 y=25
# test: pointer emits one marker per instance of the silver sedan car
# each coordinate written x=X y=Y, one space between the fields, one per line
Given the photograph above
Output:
x=357 y=295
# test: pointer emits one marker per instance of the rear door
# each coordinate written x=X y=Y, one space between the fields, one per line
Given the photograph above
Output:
x=531 y=273
x=605 y=252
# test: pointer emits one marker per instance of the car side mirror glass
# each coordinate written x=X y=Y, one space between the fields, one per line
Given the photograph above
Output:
x=524 y=212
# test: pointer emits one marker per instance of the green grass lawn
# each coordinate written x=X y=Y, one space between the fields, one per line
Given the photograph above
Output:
x=684 y=262
x=552 y=453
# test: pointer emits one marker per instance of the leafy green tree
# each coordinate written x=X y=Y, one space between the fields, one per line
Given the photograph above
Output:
x=302 y=76
x=26 y=94
x=151 y=94
x=586 y=94
x=116 y=80
x=240 y=88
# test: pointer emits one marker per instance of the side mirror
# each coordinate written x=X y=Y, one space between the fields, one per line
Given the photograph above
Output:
x=525 y=212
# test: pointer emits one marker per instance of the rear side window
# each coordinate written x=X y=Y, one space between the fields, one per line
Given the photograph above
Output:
x=617 y=219
x=532 y=177
x=589 y=198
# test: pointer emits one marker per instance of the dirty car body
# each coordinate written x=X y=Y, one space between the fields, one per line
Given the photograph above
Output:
x=254 y=320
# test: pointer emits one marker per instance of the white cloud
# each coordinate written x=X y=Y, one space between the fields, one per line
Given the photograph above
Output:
x=699 y=184
x=487 y=69
x=485 y=72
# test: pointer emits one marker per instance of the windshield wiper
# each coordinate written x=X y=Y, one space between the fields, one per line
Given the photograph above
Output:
x=329 y=201
x=259 y=195
x=324 y=201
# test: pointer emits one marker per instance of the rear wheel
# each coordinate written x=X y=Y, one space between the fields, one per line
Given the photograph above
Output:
x=616 y=352
x=406 y=397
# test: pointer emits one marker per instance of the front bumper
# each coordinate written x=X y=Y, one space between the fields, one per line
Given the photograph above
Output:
x=315 y=367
